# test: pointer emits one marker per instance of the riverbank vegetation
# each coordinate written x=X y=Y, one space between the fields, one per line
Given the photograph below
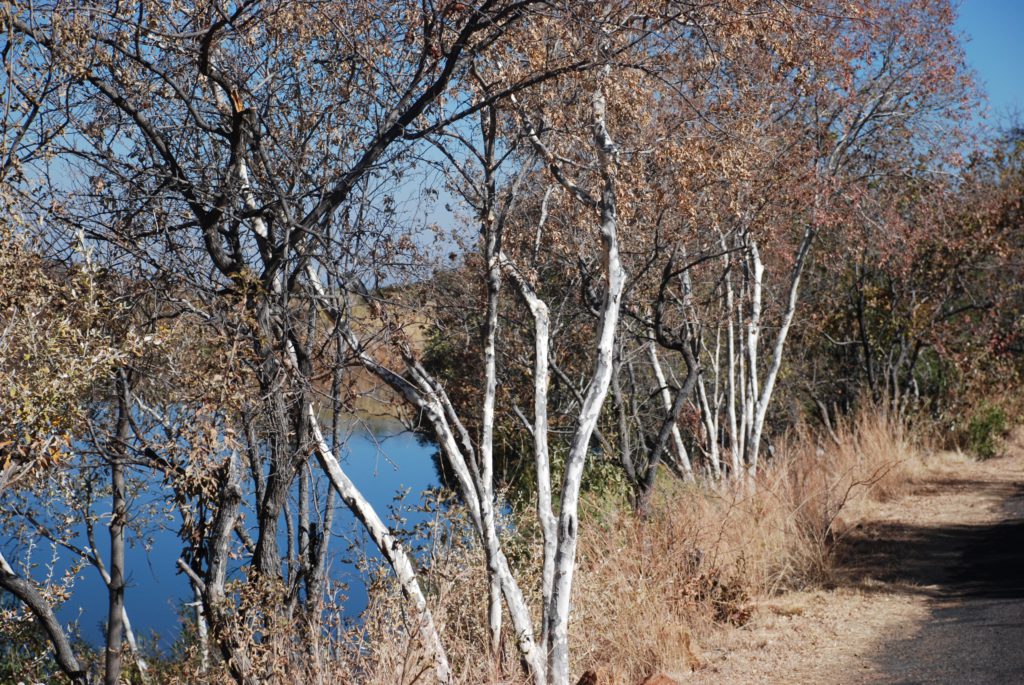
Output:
x=669 y=285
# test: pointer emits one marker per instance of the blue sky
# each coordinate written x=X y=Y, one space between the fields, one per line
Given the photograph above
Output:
x=994 y=40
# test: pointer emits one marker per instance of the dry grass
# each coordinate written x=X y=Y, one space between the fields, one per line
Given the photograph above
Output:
x=704 y=556
x=648 y=590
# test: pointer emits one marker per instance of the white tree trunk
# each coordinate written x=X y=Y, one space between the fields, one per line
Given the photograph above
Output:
x=710 y=418
x=735 y=444
x=202 y=631
x=755 y=275
x=780 y=343
x=568 y=520
x=741 y=365
x=429 y=398
x=666 y=402
x=386 y=543
x=541 y=378
x=485 y=486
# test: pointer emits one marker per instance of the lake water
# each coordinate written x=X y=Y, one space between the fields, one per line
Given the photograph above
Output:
x=381 y=464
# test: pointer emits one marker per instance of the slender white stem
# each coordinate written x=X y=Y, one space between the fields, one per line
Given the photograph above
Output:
x=388 y=545
x=666 y=402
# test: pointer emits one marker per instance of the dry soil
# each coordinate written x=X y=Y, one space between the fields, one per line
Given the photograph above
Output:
x=929 y=588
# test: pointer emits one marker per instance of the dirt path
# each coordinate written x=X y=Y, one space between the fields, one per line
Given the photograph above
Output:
x=930 y=590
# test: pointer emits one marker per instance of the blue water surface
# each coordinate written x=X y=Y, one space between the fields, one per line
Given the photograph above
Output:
x=392 y=468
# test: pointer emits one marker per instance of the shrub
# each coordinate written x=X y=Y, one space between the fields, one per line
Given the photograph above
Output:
x=985 y=432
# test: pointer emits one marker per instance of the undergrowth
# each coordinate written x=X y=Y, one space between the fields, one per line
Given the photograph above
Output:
x=647 y=590
x=986 y=430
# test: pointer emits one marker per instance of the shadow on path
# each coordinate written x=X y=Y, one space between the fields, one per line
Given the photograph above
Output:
x=944 y=561
x=974 y=578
